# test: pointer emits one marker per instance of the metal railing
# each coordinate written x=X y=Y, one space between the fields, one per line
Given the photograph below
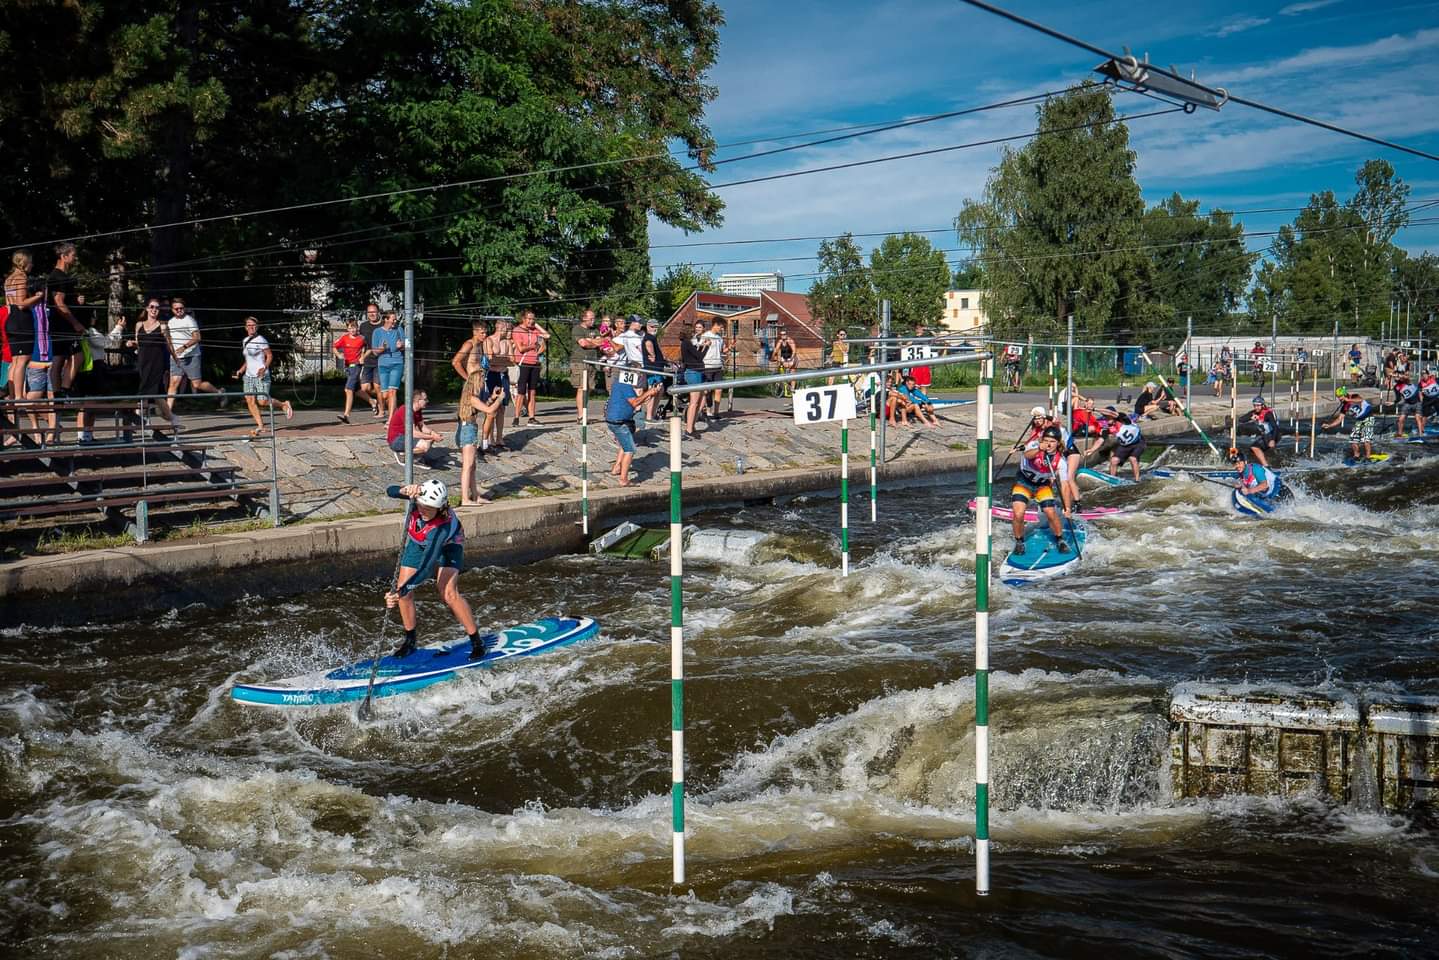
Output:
x=129 y=423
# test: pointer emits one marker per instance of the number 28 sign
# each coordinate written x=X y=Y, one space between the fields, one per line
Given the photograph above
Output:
x=823 y=404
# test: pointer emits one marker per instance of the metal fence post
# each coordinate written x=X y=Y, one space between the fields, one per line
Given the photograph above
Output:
x=884 y=378
x=409 y=341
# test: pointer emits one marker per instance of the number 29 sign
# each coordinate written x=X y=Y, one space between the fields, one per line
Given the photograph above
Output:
x=823 y=404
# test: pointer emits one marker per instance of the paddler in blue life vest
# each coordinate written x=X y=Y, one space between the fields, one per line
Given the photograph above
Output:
x=1356 y=407
x=1262 y=422
x=1041 y=468
x=434 y=546
x=1255 y=479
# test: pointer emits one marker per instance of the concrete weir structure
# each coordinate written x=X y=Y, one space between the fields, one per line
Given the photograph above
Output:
x=1354 y=749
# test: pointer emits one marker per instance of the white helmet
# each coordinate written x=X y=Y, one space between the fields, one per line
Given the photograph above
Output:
x=433 y=494
x=1039 y=412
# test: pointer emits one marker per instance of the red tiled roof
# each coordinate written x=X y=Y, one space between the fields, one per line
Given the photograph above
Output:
x=795 y=307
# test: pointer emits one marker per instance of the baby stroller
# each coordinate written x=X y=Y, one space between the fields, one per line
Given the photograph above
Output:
x=1371 y=376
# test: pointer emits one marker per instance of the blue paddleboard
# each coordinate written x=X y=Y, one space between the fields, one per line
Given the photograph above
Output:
x=1254 y=506
x=426 y=666
x=1373 y=458
x=1169 y=474
x=1042 y=557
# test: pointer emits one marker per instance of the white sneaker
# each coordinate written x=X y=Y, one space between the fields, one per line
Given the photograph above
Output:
x=398 y=459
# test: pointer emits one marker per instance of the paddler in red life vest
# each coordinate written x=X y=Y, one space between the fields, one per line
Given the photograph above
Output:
x=1255 y=480
x=1429 y=394
x=1262 y=422
x=1409 y=402
x=1038 y=420
x=1355 y=406
x=434 y=545
x=1041 y=467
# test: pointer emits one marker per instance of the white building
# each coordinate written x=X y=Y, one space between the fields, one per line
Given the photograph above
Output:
x=962 y=311
x=750 y=284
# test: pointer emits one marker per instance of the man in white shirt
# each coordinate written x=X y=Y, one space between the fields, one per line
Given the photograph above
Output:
x=633 y=341
x=712 y=343
x=185 y=354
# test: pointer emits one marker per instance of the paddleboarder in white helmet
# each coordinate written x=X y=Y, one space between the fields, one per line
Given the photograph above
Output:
x=434 y=545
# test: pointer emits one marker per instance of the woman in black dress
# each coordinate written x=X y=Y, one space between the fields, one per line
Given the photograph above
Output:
x=152 y=358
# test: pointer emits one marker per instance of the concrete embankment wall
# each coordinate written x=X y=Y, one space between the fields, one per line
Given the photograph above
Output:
x=133 y=581
x=1369 y=751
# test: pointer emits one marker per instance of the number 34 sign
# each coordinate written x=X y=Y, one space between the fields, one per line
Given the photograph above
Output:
x=823 y=404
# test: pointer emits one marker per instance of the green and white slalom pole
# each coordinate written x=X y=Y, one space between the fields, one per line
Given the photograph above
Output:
x=677 y=655
x=844 y=498
x=873 y=470
x=585 y=454
x=982 y=496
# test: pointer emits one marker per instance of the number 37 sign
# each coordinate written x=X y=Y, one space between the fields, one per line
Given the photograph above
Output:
x=823 y=404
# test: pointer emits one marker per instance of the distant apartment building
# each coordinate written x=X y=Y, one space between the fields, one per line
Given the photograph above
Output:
x=750 y=284
x=962 y=311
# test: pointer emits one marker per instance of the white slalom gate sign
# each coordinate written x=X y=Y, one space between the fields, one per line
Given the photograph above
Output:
x=629 y=378
x=1269 y=366
x=916 y=351
x=823 y=404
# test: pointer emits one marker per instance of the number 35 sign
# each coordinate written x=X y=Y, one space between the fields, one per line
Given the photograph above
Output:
x=823 y=404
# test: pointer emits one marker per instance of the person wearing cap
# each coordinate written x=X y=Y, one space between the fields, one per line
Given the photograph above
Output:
x=1154 y=399
x=620 y=411
x=434 y=546
x=1041 y=467
x=1262 y=422
x=1130 y=447
x=1354 y=406
x=1409 y=403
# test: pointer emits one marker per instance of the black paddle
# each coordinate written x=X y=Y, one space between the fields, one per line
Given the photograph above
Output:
x=1222 y=483
x=1073 y=537
x=364 y=713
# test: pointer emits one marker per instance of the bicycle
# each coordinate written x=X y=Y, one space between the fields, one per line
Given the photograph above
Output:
x=1013 y=380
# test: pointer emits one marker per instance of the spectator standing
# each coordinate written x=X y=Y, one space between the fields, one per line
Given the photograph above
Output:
x=423 y=437
x=370 y=361
x=838 y=353
x=529 y=340
x=351 y=350
x=713 y=344
x=473 y=402
x=620 y=416
x=653 y=361
x=185 y=354
x=20 y=300
x=153 y=353
x=585 y=345
x=65 y=327
x=259 y=358
x=389 y=343
x=692 y=362
x=499 y=355
x=470 y=358
x=632 y=342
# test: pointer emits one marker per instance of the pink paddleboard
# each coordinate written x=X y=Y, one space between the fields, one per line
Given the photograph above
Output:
x=1092 y=513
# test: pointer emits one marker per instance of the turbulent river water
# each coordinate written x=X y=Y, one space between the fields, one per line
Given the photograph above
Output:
x=524 y=812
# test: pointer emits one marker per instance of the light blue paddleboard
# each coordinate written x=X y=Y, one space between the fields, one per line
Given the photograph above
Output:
x=1042 y=557
x=1104 y=478
x=1253 y=506
x=426 y=666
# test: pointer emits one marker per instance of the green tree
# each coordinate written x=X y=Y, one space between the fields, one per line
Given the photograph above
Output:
x=843 y=297
x=675 y=286
x=968 y=276
x=912 y=275
x=1059 y=226
x=1198 y=264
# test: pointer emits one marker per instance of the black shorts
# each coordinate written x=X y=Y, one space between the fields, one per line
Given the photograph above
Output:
x=713 y=374
x=1431 y=404
x=63 y=343
x=529 y=381
x=1128 y=450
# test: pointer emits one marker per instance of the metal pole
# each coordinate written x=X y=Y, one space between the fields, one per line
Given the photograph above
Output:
x=873 y=468
x=1069 y=374
x=983 y=456
x=274 y=469
x=1313 y=409
x=1234 y=406
x=844 y=497
x=409 y=376
x=677 y=655
x=1334 y=355
x=585 y=452
x=883 y=391
x=1188 y=358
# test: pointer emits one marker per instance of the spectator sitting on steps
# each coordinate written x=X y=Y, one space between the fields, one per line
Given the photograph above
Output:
x=424 y=437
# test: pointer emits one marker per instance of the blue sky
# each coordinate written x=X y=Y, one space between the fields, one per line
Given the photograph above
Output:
x=797 y=66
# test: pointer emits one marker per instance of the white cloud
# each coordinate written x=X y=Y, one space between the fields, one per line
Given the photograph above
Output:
x=1239 y=26
x=1387 y=48
x=1295 y=9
